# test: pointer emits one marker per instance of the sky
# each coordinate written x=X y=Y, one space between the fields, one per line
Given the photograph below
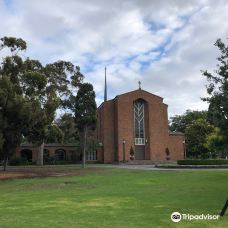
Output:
x=163 y=44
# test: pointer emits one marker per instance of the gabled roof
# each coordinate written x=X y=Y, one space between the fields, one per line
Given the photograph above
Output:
x=134 y=91
x=139 y=90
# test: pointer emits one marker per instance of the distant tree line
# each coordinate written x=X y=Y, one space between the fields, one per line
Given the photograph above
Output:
x=206 y=132
x=30 y=95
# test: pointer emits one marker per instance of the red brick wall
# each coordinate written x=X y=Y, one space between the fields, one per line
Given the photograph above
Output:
x=108 y=131
x=116 y=123
x=176 y=147
x=34 y=150
x=51 y=149
x=125 y=125
x=100 y=132
x=156 y=124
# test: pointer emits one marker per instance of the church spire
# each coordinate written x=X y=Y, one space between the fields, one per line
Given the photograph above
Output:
x=105 y=88
x=139 y=82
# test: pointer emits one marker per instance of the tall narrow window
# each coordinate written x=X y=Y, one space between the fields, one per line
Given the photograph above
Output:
x=139 y=122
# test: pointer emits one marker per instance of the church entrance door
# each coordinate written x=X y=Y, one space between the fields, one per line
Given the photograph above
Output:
x=139 y=152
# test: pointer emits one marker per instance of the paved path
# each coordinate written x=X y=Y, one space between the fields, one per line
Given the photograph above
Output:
x=153 y=168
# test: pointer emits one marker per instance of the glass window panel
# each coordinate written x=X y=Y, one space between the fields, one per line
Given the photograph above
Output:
x=139 y=122
x=92 y=155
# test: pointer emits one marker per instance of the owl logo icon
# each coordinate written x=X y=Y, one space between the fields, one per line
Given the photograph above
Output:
x=176 y=217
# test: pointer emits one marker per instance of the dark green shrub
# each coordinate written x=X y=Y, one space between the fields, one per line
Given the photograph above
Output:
x=49 y=161
x=202 y=162
x=132 y=153
x=63 y=162
x=205 y=156
x=53 y=161
x=18 y=161
x=32 y=163
x=167 y=152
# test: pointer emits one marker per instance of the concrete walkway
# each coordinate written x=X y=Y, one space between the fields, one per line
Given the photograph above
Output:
x=153 y=168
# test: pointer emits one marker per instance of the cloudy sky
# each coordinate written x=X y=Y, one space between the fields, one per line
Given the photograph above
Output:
x=164 y=44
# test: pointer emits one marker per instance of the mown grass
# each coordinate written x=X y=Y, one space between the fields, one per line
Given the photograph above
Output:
x=114 y=198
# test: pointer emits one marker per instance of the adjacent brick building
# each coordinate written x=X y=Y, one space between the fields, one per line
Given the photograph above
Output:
x=134 y=126
x=51 y=152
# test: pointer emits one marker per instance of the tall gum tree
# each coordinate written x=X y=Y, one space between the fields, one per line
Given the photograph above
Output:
x=15 y=109
x=84 y=107
x=30 y=94
x=217 y=90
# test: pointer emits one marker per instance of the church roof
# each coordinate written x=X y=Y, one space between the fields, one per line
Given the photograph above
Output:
x=138 y=90
x=130 y=92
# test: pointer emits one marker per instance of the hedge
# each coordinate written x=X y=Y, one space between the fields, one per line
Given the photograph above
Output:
x=202 y=162
x=54 y=162
x=21 y=161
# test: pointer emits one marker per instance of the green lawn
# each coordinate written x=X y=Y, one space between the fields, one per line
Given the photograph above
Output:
x=104 y=197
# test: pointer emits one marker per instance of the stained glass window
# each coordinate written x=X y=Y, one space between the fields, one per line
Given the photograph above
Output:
x=139 y=122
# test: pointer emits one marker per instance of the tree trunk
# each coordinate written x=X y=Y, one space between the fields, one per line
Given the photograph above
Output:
x=5 y=162
x=5 y=151
x=41 y=154
x=8 y=150
x=84 y=146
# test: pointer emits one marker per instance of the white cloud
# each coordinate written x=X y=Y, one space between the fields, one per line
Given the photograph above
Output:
x=164 y=44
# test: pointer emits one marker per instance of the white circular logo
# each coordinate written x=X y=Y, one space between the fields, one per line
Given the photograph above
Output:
x=176 y=217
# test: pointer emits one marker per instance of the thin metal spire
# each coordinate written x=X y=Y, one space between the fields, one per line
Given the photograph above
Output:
x=105 y=88
x=139 y=85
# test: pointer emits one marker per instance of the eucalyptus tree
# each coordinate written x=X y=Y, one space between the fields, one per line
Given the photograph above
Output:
x=30 y=94
x=15 y=108
x=217 y=90
x=84 y=107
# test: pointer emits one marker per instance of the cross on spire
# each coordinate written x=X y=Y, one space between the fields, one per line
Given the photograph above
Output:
x=139 y=84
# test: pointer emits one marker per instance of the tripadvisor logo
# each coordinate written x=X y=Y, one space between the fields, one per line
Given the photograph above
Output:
x=177 y=217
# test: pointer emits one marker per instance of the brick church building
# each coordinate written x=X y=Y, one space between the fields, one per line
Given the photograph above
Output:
x=134 y=126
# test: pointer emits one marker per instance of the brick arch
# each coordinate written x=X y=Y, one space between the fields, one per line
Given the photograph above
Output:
x=60 y=154
x=46 y=155
x=26 y=154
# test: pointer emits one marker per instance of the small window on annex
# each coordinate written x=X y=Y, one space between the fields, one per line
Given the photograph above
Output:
x=91 y=155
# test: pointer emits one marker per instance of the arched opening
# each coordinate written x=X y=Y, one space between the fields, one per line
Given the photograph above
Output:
x=26 y=155
x=46 y=155
x=139 y=129
x=60 y=155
